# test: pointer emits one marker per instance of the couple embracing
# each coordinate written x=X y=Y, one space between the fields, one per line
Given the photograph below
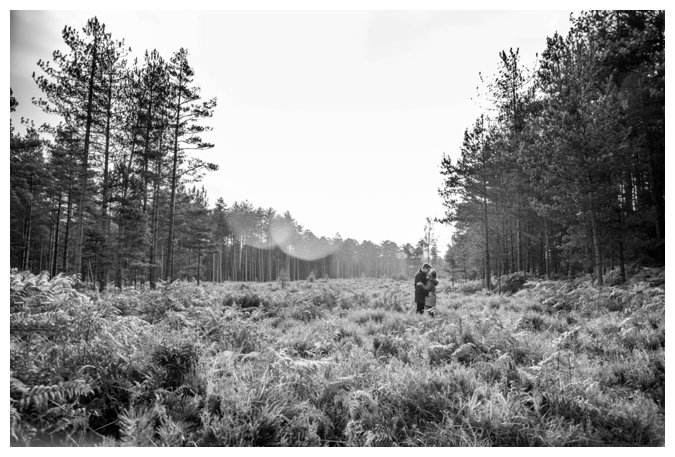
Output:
x=425 y=290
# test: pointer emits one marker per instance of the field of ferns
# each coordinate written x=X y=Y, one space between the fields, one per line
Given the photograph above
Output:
x=336 y=363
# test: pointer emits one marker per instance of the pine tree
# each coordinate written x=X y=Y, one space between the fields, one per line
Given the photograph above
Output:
x=186 y=112
x=72 y=84
x=467 y=185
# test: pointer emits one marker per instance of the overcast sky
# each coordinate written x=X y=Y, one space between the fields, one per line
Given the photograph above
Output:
x=340 y=117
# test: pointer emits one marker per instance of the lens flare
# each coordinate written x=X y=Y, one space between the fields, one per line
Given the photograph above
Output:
x=291 y=243
x=282 y=234
x=311 y=249
x=243 y=227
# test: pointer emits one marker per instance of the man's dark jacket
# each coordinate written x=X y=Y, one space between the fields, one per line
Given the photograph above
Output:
x=420 y=293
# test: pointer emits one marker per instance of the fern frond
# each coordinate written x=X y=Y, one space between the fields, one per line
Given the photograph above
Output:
x=23 y=322
x=42 y=279
x=16 y=385
x=40 y=396
x=137 y=426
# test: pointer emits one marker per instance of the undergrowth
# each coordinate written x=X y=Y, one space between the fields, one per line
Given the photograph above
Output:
x=336 y=363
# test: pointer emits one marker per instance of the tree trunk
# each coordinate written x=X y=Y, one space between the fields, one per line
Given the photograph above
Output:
x=105 y=221
x=199 y=264
x=519 y=240
x=27 y=229
x=596 y=241
x=224 y=263
x=154 y=226
x=146 y=151
x=85 y=165
x=56 y=236
x=488 y=280
x=118 y=263
x=622 y=261
x=269 y=265
x=42 y=245
x=172 y=202
x=68 y=217
x=26 y=238
x=50 y=244
x=547 y=251
x=233 y=259
x=120 y=223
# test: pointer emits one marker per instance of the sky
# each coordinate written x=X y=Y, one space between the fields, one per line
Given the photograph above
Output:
x=340 y=117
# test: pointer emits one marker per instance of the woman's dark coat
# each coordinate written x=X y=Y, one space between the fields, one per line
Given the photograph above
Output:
x=420 y=293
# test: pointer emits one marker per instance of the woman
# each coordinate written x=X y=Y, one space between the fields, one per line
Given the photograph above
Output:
x=421 y=279
x=430 y=288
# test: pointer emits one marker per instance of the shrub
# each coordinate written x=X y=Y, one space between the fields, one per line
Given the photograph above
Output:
x=345 y=333
x=535 y=308
x=655 y=277
x=611 y=422
x=375 y=315
x=302 y=347
x=513 y=283
x=242 y=336
x=326 y=298
x=440 y=354
x=391 y=300
x=466 y=353
x=470 y=287
x=245 y=301
x=440 y=334
x=431 y=398
x=495 y=304
x=302 y=425
x=360 y=299
x=176 y=359
x=612 y=277
x=531 y=322
x=386 y=346
x=63 y=348
x=306 y=312
x=33 y=411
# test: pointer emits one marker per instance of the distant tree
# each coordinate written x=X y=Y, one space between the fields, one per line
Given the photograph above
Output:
x=197 y=233
x=429 y=239
x=450 y=260
x=408 y=252
x=390 y=258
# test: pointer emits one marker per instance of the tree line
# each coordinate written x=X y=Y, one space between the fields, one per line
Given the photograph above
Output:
x=109 y=191
x=564 y=172
x=248 y=243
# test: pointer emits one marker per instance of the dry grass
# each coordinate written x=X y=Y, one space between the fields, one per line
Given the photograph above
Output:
x=347 y=363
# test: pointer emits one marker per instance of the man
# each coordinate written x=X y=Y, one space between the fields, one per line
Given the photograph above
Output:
x=420 y=292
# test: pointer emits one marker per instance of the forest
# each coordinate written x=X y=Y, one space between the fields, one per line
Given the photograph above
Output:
x=564 y=173
x=110 y=192
x=141 y=315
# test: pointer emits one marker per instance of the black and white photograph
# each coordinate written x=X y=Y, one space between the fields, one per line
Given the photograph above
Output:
x=358 y=224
